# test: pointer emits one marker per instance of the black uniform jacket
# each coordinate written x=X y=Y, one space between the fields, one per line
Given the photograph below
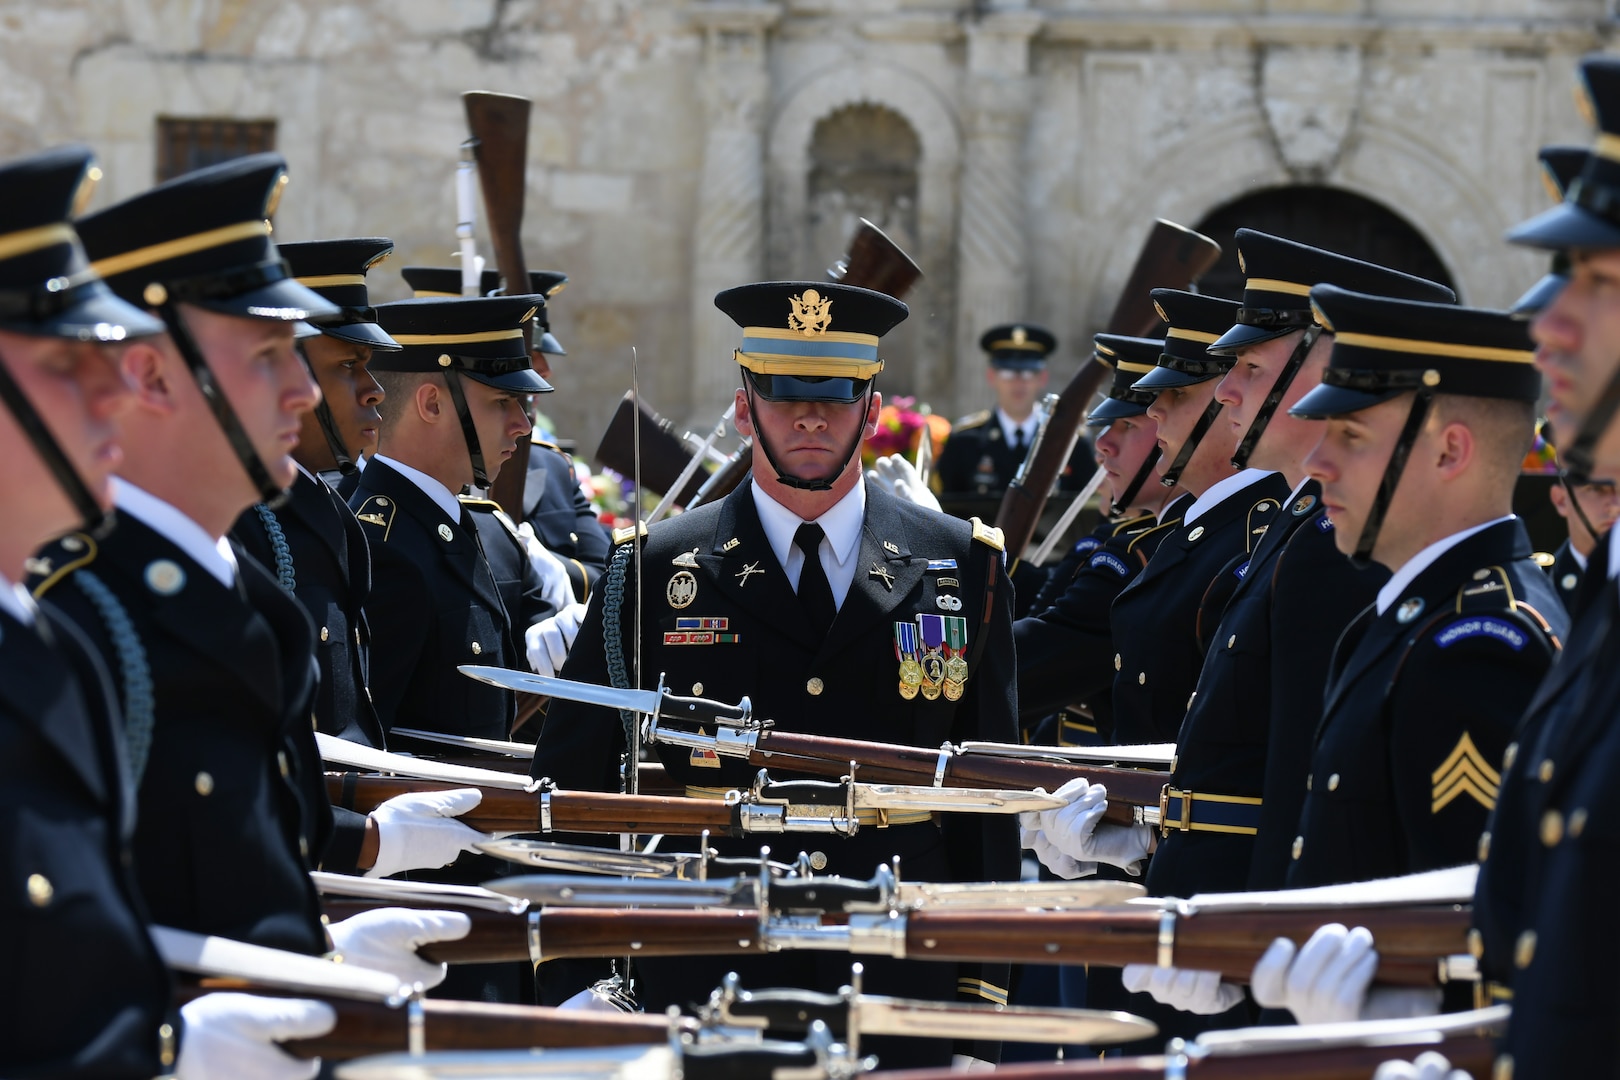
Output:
x=1421 y=704
x=232 y=809
x=522 y=591
x=1316 y=591
x=977 y=459
x=556 y=506
x=84 y=990
x=1224 y=740
x=1164 y=620
x=1544 y=905
x=1066 y=651
x=715 y=567
x=434 y=605
x=322 y=546
x=1567 y=574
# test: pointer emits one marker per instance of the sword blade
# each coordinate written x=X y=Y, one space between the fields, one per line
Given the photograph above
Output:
x=952 y=800
x=642 y=701
x=1008 y=1023
x=1018 y=894
x=593 y=860
x=569 y=891
x=356 y=756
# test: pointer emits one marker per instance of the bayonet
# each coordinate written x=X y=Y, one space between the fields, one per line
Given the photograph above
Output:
x=501 y=747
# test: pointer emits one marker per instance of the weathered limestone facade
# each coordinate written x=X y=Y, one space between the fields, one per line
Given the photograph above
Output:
x=1018 y=148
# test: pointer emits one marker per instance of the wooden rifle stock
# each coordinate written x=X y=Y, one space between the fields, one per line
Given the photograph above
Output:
x=1411 y=940
x=663 y=453
x=571 y=811
x=886 y=763
x=495 y=938
x=372 y=1027
x=1172 y=257
x=724 y=480
x=1474 y=1054
x=499 y=125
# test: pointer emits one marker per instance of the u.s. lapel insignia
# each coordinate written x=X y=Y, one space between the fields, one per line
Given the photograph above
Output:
x=1409 y=610
x=165 y=577
x=890 y=547
x=882 y=574
x=445 y=534
x=748 y=568
x=687 y=559
x=729 y=544
x=681 y=590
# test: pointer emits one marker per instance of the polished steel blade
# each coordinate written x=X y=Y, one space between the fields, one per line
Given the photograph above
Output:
x=544 y=890
x=1009 y=1023
x=1018 y=895
x=594 y=860
x=594 y=1063
x=524 y=682
x=467 y=742
x=952 y=800
x=338 y=751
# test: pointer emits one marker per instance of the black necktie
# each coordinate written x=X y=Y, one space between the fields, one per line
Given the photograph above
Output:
x=1018 y=442
x=815 y=594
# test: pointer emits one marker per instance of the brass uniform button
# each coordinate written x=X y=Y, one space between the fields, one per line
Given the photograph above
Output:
x=1231 y=642
x=1476 y=944
x=166 y=1051
x=1552 y=828
x=1196 y=533
x=1545 y=771
x=1509 y=756
x=818 y=860
x=1524 y=950
x=573 y=538
x=477 y=649
x=40 y=890
x=1484 y=845
x=325 y=633
x=1503 y=1069
x=1299 y=846
x=1577 y=823
x=814 y=686
x=1308 y=781
x=1333 y=782
x=1141 y=678
x=1116 y=662
x=697 y=688
x=205 y=784
x=303 y=847
x=281 y=763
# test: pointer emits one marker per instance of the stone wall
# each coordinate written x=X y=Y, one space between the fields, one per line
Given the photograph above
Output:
x=672 y=140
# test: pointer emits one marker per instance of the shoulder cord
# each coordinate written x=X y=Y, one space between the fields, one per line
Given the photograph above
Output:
x=285 y=575
x=613 y=634
x=135 y=672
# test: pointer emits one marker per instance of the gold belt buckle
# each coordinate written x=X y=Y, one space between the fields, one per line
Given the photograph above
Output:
x=1164 y=811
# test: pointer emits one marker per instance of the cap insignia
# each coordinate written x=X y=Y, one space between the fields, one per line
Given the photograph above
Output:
x=1019 y=335
x=811 y=315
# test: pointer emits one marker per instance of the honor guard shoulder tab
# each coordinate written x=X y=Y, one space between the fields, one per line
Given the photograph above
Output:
x=626 y=533
x=490 y=506
x=377 y=512
x=53 y=565
x=978 y=419
x=988 y=534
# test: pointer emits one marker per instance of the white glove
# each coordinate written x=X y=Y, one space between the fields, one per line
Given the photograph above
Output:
x=1190 y=991
x=235 y=1035
x=968 y=1063
x=590 y=1000
x=1075 y=830
x=1326 y=981
x=1031 y=837
x=548 y=641
x=386 y=939
x=558 y=590
x=1427 y=1066
x=420 y=831
x=901 y=479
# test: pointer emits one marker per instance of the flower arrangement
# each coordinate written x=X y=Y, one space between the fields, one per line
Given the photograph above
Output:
x=607 y=492
x=900 y=424
x=1542 y=460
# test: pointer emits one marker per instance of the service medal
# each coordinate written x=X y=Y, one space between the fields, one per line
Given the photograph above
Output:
x=956 y=665
x=905 y=649
x=933 y=657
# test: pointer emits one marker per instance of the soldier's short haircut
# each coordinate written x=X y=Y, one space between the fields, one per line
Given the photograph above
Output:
x=1503 y=429
x=400 y=390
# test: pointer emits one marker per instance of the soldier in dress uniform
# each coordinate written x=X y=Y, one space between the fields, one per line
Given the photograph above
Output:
x=67 y=810
x=839 y=609
x=458 y=389
x=214 y=660
x=1065 y=649
x=1589 y=505
x=983 y=452
x=554 y=504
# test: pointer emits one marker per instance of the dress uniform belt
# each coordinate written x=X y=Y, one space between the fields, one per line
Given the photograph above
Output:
x=863 y=815
x=1208 y=813
x=1076 y=722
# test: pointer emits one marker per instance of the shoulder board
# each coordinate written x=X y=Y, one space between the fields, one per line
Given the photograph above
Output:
x=988 y=535
x=627 y=533
x=554 y=448
x=477 y=502
x=974 y=420
x=1170 y=523
x=79 y=549
x=493 y=508
x=1135 y=524
x=1487 y=589
x=378 y=511
x=1261 y=515
x=1544 y=559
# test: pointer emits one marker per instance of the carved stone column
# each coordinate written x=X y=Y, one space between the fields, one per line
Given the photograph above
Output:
x=728 y=247
x=992 y=238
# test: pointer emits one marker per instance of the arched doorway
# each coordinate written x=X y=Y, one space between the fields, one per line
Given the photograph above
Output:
x=1324 y=217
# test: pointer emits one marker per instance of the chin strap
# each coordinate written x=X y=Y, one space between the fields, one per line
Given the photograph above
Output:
x=1268 y=407
x=469 y=431
x=1128 y=497
x=329 y=428
x=225 y=416
x=1580 y=458
x=96 y=521
x=1575 y=504
x=1172 y=476
x=793 y=481
x=1392 y=478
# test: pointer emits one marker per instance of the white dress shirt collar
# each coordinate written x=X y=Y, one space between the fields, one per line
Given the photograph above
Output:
x=1010 y=427
x=212 y=553
x=1403 y=578
x=441 y=495
x=842 y=525
x=16 y=601
x=1221 y=491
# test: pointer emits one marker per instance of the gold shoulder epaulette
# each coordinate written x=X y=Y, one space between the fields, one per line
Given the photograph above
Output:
x=1260 y=516
x=1145 y=533
x=973 y=420
x=988 y=534
x=1130 y=525
x=627 y=533
x=1487 y=589
x=1544 y=559
x=478 y=501
x=379 y=511
x=81 y=550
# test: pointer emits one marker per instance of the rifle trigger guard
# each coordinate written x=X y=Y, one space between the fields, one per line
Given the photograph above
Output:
x=1167 y=939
